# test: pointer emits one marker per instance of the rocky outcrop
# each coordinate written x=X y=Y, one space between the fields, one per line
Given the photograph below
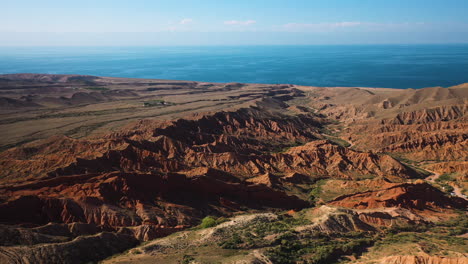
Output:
x=411 y=196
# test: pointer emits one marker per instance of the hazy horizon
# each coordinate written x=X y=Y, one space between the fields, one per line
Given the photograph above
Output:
x=213 y=23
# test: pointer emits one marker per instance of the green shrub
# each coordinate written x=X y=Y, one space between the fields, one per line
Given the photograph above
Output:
x=208 y=222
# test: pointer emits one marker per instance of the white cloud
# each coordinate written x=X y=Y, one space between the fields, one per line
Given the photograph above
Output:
x=186 y=21
x=368 y=26
x=346 y=24
x=319 y=26
x=240 y=23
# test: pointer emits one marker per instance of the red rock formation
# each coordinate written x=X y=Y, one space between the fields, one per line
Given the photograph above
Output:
x=124 y=199
x=245 y=143
x=412 y=196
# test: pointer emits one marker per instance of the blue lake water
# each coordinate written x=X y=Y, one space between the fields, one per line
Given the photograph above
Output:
x=396 y=66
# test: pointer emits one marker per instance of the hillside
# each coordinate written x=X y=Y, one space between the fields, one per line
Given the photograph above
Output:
x=125 y=170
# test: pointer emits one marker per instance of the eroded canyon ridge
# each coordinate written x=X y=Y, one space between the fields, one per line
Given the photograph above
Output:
x=125 y=170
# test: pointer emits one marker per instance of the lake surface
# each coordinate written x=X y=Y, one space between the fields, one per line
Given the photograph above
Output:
x=395 y=66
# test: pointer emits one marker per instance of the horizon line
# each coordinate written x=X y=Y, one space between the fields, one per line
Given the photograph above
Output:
x=251 y=45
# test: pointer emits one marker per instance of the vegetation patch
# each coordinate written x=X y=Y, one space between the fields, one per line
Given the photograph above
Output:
x=338 y=141
x=317 y=191
x=317 y=250
x=210 y=221
x=447 y=177
x=444 y=181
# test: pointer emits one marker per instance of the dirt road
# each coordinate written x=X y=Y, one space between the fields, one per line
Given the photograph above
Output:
x=456 y=189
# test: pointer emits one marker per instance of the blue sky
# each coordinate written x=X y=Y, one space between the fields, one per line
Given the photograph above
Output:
x=239 y=22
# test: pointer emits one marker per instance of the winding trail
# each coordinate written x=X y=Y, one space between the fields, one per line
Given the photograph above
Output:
x=456 y=189
x=432 y=178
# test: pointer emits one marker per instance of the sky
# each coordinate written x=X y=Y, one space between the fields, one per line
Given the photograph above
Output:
x=234 y=22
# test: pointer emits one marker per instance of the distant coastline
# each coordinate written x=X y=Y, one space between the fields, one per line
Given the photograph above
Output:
x=389 y=66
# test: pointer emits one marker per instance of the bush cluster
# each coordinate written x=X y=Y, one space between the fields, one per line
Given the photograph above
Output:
x=210 y=221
